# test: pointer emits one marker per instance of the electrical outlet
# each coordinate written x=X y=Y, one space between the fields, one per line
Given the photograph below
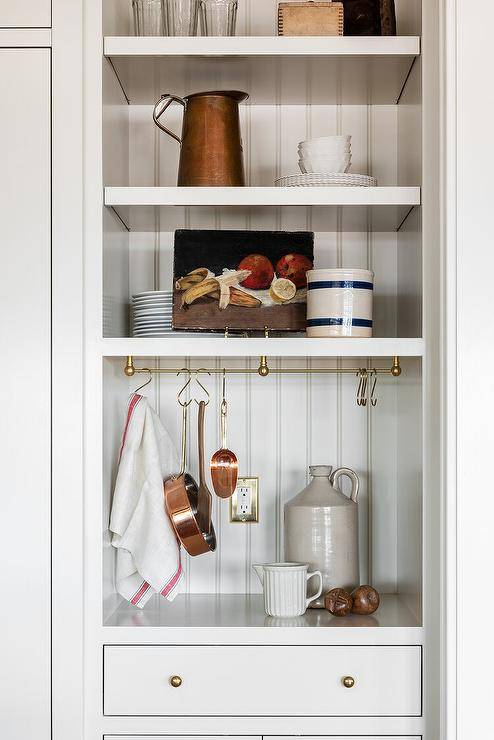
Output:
x=244 y=504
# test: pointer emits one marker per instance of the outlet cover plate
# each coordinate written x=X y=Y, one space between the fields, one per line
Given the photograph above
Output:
x=247 y=490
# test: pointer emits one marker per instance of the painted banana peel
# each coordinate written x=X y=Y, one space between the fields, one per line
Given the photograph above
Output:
x=221 y=287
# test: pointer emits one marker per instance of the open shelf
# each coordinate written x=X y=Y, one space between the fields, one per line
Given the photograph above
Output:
x=212 y=346
x=262 y=196
x=349 y=70
x=381 y=208
x=234 y=610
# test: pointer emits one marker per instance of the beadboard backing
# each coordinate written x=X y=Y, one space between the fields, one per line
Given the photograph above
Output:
x=278 y=426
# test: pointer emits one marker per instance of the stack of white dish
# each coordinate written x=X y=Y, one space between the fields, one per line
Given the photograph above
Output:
x=337 y=179
x=325 y=154
x=152 y=313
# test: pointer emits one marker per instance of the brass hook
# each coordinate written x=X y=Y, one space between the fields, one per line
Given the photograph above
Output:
x=373 y=397
x=187 y=403
x=144 y=370
x=362 y=387
x=202 y=370
x=224 y=405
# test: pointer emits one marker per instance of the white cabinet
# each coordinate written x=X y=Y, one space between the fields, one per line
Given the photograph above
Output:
x=295 y=680
x=25 y=306
x=25 y=14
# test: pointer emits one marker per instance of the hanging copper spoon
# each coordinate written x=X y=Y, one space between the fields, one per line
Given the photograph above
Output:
x=224 y=463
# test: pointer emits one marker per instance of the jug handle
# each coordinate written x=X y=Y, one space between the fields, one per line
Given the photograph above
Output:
x=161 y=107
x=336 y=475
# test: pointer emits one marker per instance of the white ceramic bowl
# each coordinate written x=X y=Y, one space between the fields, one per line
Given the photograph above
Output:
x=324 y=164
x=327 y=141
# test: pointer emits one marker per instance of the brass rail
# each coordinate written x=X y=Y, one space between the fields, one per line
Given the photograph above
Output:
x=264 y=370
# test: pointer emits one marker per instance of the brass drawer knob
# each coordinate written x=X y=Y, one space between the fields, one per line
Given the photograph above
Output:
x=176 y=681
x=348 y=682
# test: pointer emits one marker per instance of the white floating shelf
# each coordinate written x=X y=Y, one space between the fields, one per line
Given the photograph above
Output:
x=302 y=46
x=262 y=196
x=212 y=346
x=343 y=69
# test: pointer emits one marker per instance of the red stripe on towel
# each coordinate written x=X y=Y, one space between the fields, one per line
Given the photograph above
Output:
x=132 y=404
x=173 y=582
x=138 y=596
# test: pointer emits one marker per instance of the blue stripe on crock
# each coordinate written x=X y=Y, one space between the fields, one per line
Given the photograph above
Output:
x=360 y=284
x=340 y=322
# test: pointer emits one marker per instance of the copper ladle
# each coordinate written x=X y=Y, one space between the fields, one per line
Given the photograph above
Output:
x=224 y=463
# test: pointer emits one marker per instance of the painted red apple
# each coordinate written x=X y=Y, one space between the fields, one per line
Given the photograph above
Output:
x=261 y=271
x=293 y=267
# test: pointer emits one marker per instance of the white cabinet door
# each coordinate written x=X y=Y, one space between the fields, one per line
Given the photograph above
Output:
x=25 y=225
x=25 y=13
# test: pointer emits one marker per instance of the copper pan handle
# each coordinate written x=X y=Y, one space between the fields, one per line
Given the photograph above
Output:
x=161 y=107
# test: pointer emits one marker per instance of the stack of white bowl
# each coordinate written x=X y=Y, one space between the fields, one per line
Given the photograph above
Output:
x=325 y=154
x=152 y=313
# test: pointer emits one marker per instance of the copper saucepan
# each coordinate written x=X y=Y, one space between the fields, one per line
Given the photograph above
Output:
x=182 y=505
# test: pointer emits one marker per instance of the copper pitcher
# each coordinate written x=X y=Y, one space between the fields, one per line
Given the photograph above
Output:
x=211 y=146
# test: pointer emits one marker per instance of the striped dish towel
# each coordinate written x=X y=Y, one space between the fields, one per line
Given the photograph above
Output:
x=148 y=553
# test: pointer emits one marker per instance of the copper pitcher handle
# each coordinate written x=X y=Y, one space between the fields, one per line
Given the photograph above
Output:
x=161 y=107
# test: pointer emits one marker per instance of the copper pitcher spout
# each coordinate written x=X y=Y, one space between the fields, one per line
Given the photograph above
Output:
x=211 y=151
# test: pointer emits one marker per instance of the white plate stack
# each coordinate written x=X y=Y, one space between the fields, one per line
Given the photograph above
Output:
x=325 y=154
x=334 y=179
x=152 y=313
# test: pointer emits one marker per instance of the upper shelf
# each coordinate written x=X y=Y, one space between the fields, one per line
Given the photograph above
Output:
x=272 y=69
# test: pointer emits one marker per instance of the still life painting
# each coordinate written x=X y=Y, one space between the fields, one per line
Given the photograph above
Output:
x=243 y=280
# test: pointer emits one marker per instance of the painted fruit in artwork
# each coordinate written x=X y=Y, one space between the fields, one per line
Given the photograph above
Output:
x=261 y=271
x=293 y=267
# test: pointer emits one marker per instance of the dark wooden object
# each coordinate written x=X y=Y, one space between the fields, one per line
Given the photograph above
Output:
x=369 y=18
x=338 y=602
x=365 y=600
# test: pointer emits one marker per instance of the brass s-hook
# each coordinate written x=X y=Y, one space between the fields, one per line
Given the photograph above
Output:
x=144 y=370
x=202 y=370
x=373 y=397
x=179 y=394
x=362 y=387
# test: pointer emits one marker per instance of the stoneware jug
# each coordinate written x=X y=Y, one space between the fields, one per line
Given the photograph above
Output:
x=285 y=588
x=321 y=528
x=210 y=146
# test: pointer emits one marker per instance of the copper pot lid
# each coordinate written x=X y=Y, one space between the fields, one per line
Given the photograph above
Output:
x=237 y=95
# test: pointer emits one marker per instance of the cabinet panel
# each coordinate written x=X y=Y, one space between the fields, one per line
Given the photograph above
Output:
x=25 y=382
x=283 y=681
x=25 y=14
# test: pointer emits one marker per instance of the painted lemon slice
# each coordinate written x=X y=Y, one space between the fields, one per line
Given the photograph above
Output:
x=282 y=290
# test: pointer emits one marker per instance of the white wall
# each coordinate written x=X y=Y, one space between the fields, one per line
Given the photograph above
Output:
x=471 y=208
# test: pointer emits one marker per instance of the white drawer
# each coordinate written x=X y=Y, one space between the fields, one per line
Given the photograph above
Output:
x=270 y=681
x=144 y=736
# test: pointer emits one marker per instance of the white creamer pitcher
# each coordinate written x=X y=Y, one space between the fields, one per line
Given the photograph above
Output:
x=285 y=588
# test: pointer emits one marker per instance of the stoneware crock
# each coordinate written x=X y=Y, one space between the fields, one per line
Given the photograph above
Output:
x=339 y=303
x=321 y=529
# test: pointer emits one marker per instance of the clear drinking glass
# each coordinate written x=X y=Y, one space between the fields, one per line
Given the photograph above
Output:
x=218 y=17
x=149 y=17
x=182 y=17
